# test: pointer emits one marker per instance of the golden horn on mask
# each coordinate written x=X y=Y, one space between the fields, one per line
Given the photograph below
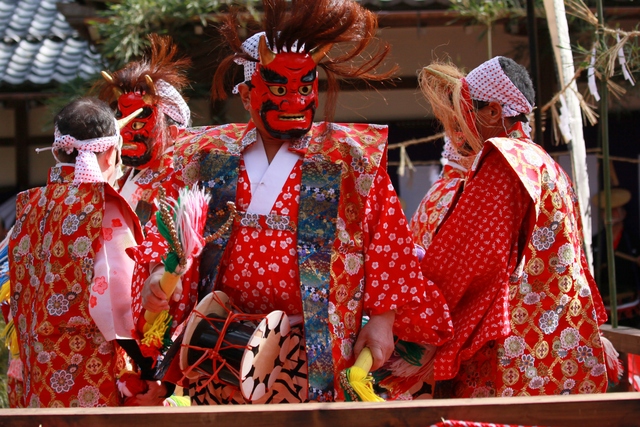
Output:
x=125 y=120
x=152 y=86
x=266 y=54
x=318 y=53
x=440 y=74
x=109 y=78
x=148 y=97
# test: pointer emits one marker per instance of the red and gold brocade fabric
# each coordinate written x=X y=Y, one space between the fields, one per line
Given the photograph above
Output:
x=66 y=361
x=510 y=263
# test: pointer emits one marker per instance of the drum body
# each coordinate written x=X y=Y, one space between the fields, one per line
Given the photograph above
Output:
x=246 y=351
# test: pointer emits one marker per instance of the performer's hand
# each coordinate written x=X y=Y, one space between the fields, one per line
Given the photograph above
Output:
x=377 y=334
x=153 y=397
x=153 y=298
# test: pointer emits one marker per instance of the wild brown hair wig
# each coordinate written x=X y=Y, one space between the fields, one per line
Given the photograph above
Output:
x=161 y=63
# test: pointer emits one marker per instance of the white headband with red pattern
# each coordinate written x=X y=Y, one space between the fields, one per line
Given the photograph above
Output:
x=176 y=107
x=488 y=83
x=87 y=167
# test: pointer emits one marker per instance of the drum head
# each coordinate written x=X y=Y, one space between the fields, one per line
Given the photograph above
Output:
x=209 y=306
x=267 y=352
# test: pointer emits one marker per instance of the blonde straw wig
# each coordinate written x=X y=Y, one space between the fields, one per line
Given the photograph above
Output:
x=444 y=87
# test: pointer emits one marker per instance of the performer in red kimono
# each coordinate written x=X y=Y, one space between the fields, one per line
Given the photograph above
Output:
x=70 y=276
x=508 y=257
x=321 y=232
x=155 y=85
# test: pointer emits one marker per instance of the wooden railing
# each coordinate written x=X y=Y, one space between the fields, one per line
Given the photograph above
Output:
x=599 y=410
x=602 y=410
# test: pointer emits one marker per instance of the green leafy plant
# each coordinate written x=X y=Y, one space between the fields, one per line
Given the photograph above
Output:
x=489 y=12
x=125 y=24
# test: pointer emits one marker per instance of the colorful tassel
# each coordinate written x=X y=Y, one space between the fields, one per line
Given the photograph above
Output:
x=410 y=365
x=177 y=401
x=11 y=339
x=356 y=381
x=15 y=369
x=615 y=369
x=181 y=222
x=5 y=292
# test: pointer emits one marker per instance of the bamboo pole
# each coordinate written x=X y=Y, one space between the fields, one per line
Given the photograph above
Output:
x=606 y=180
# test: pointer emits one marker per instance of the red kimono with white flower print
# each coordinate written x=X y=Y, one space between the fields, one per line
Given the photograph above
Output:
x=66 y=360
x=509 y=260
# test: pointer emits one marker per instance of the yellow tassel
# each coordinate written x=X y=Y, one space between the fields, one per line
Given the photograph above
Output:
x=154 y=336
x=5 y=291
x=11 y=339
x=359 y=378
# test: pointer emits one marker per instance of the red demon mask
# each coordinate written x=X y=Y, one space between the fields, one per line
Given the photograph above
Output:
x=284 y=91
x=141 y=139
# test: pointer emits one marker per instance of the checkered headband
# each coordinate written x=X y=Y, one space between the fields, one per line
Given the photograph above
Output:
x=87 y=168
x=488 y=83
x=173 y=104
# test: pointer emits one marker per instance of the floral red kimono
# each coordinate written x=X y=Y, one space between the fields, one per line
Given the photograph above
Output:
x=56 y=244
x=334 y=244
x=509 y=260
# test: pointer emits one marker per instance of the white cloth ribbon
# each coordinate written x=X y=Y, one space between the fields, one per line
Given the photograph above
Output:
x=623 y=63
x=591 y=75
x=488 y=82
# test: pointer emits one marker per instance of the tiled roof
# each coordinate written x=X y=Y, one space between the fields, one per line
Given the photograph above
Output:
x=37 y=45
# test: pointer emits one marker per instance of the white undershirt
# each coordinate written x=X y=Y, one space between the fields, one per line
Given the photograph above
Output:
x=267 y=179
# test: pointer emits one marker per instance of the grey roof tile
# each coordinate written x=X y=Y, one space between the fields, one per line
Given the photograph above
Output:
x=37 y=45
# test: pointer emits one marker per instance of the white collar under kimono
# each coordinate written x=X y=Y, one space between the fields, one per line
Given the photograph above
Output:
x=267 y=179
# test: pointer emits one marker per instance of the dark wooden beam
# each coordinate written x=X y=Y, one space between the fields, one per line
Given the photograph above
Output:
x=25 y=96
x=598 y=410
x=33 y=141
x=408 y=82
x=419 y=18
